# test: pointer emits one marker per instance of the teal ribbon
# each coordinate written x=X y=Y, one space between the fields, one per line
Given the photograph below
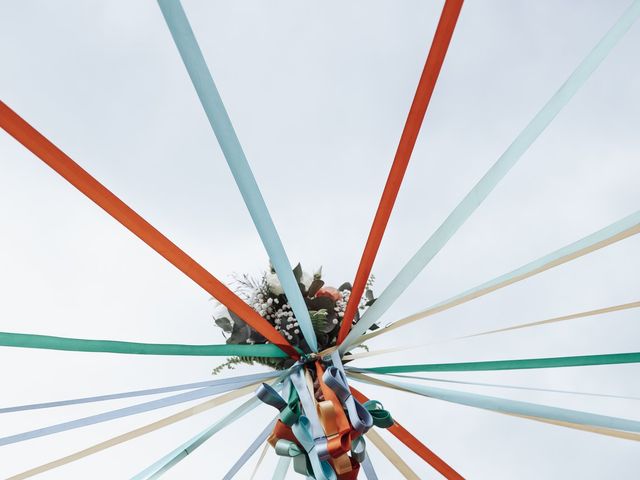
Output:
x=494 y=175
x=381 y=417
x=220 y=122
x=552 y=362
x=359 y=449
x=289 y=411
x=304 y=433
x=24 y=340
x=281 y=469
x=335 y=378
x=528 y=409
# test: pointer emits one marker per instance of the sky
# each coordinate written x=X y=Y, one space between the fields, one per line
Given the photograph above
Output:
x=318 y=94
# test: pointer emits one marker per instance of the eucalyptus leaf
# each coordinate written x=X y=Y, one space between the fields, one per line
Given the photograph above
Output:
x=314 y=287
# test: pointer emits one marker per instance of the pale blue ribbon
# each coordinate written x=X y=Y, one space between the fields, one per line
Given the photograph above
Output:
x=516 y=407
x=309 y=408
x=177 y=455
x=223 y=129
x=304 y=433
x=335 y=378
x=282 y=468
x=244 y=458
x=496 y=173
x=123 y=412
x=369 y=471
x=138 y=393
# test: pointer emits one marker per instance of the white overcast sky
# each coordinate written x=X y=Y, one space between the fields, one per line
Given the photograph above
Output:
x=318 y=93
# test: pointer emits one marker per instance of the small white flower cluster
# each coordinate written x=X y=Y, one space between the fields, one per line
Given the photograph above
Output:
x=341 y=305
x=280 y=315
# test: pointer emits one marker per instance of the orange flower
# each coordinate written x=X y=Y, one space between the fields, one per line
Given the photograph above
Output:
x=332 y=293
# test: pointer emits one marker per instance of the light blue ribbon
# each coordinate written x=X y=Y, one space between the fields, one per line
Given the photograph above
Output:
x=309 y=408
x=123 y=412
x=335 y=378
x=171 y=459
x=496 y=173
x=504 y=405
x=369 y=471
x=303 y=431
x=168 y=461
x=223 y=129
x=282 y=468
x=244 y=458
x=138 y=393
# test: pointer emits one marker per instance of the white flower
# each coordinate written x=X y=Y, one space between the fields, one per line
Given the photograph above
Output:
x=220 y=311
x=274 y=284
x=306 y=280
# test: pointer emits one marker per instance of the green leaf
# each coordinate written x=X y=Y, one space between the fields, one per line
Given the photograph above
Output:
x=314 y=287
x=297 y=272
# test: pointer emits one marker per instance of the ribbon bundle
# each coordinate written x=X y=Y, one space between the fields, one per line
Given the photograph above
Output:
x=321 y=425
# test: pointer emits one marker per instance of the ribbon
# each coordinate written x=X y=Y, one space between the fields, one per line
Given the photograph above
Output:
x=391 y=455
x=310 y=414
x=503 y=405
x=138 y=432
x=259 y=462
x=79 y=178
x=220 y=122
x=124 y=412
x=369 y=471
x=514 y=387
x=613 y=233
x=495 y=174
x=334 y=421
x=244 y=458
x=304 y=432
x=426 y=85
x=414 y=444
x=282 y=468
x=137 y=393
x=24 y=340
x=289 y=411
x=381 y=417
x=573 y=316
x=552 y=362
x=336 y=380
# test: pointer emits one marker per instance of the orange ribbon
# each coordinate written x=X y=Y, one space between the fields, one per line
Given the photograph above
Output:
x=418 y=109
x=416 y=445
x=79 y=178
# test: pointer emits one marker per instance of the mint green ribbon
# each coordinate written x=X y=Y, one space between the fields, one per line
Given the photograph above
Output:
x=289 y=410
x=381 y=417
x=24 y=340
x=553 y=362
x=220 y=122
x=494 y=175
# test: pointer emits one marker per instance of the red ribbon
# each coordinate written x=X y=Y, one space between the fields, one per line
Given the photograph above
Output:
x=416 y=445
x=79 y=178
x=427 y=83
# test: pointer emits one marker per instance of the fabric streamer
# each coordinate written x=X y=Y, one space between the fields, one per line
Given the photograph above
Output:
x=573 y=316
x=24 y=133
x=138 y=432
x=124 y=412
x=503 y=405
x=512 y=387
x=244 y=458
x=369 y=471
x=137 y=393
x=552 y=362
x=24 y=340
x=415 y=445
x=496 y=173
x=391 y=455
x=426 y=86
x=282 y=468
x=260 y=460
x=174 y=457
x=613 y=233
x=220 y=122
